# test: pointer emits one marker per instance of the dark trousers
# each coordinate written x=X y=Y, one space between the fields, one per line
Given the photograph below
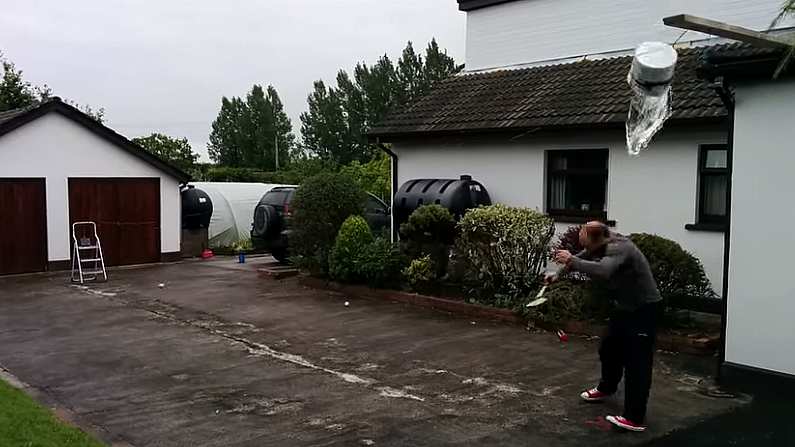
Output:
x=628 y=350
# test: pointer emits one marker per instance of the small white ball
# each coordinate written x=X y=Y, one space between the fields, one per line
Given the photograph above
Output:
x=347 y=303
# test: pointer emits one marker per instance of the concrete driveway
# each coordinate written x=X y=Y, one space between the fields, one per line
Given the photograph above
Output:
x=220 y=357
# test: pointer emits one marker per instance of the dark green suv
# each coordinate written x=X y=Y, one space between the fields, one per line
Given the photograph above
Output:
x=271 y=227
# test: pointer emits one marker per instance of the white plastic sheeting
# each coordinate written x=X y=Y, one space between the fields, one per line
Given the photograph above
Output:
x=650 y=81
x=233 y=209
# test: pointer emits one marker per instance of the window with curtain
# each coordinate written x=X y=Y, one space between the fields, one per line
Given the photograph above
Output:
x=713 y=183
x=577 y=184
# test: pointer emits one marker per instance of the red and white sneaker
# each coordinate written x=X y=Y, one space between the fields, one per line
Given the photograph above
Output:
x=626 y=424
x=594 y=395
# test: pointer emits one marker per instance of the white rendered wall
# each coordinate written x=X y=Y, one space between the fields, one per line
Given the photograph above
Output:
x=56 y=148
x=761 y=299
x=536 y=30
x=654 y=193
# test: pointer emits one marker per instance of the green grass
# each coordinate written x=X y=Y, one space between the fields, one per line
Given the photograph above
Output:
x=24 y=423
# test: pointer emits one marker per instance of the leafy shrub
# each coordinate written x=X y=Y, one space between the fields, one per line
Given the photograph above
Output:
x=456 y=266
x=380 y=263
x=353 y=237
x=303 y=168
x=679 y=276
x=320 y=206
x=504 y=249
x=430 y=230
x=243 y=245
x=420 y=273
x=678 y=273
x=373 y=176
x=571 y=300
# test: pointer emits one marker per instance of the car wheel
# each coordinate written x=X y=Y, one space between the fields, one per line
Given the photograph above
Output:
x=265 y=220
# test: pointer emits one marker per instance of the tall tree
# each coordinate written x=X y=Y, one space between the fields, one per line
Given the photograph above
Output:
x=15 y=92
x=258 y=126
x=176 y=151
x=246 y=133
x=283 y=136
x=410 y=76
x=438 y=65
x=324 y=127
x=787 y=9
x=224 y=145
x=378 y=84
x=336 y=124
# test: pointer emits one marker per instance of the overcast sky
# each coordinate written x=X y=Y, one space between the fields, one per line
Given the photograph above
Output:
x=164 y=65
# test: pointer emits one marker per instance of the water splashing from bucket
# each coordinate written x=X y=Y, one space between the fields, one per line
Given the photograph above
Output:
x=650 y=83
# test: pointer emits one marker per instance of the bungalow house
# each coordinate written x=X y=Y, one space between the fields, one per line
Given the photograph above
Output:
x=760 y=298
x=538 y=118
x=58 y=166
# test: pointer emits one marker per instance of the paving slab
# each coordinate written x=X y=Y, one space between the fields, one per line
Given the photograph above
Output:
x=221 y=357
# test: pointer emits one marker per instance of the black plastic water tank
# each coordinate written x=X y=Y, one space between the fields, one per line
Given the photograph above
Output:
x=456 y=195
x=197 y=208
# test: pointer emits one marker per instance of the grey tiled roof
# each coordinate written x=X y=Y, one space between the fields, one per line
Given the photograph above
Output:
x=583 y=93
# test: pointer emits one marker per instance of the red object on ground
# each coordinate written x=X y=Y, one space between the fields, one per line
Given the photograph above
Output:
x=207 y=253
x=562 y=336
x=599 y=423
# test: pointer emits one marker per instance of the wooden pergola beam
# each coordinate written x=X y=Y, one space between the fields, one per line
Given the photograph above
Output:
x=700 y=24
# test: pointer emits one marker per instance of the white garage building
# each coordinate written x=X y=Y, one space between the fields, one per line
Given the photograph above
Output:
x=58 y=166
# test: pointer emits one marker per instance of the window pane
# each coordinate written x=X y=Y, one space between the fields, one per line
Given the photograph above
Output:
x=586 y=159
x=577 y=182
x=558 y=161
x=586 y=193
x=714 y=200
x=373 y=205
x=716 y=158
x=557 y=192
x=275 y=198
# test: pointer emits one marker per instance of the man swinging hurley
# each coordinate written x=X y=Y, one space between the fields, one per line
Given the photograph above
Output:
x=628 y=348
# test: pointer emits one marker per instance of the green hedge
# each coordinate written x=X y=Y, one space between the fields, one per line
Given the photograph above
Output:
x=320 y=206
x=353 y=237
x=504 y=250
x=359 y=258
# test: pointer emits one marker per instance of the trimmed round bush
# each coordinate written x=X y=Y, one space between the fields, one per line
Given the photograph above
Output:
x=353 y=238
x=420 y=273
x=504 y=250
x=430 y=230
x=320 y=206
x=380 y=263
x=678 y=273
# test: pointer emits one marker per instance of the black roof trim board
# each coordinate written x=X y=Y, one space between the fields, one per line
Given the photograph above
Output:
x=470 y=5
x=14 y=119
x=513 y=133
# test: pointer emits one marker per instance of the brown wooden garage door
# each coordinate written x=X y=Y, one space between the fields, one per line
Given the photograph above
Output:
x=127 y=214
x=23 y=226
